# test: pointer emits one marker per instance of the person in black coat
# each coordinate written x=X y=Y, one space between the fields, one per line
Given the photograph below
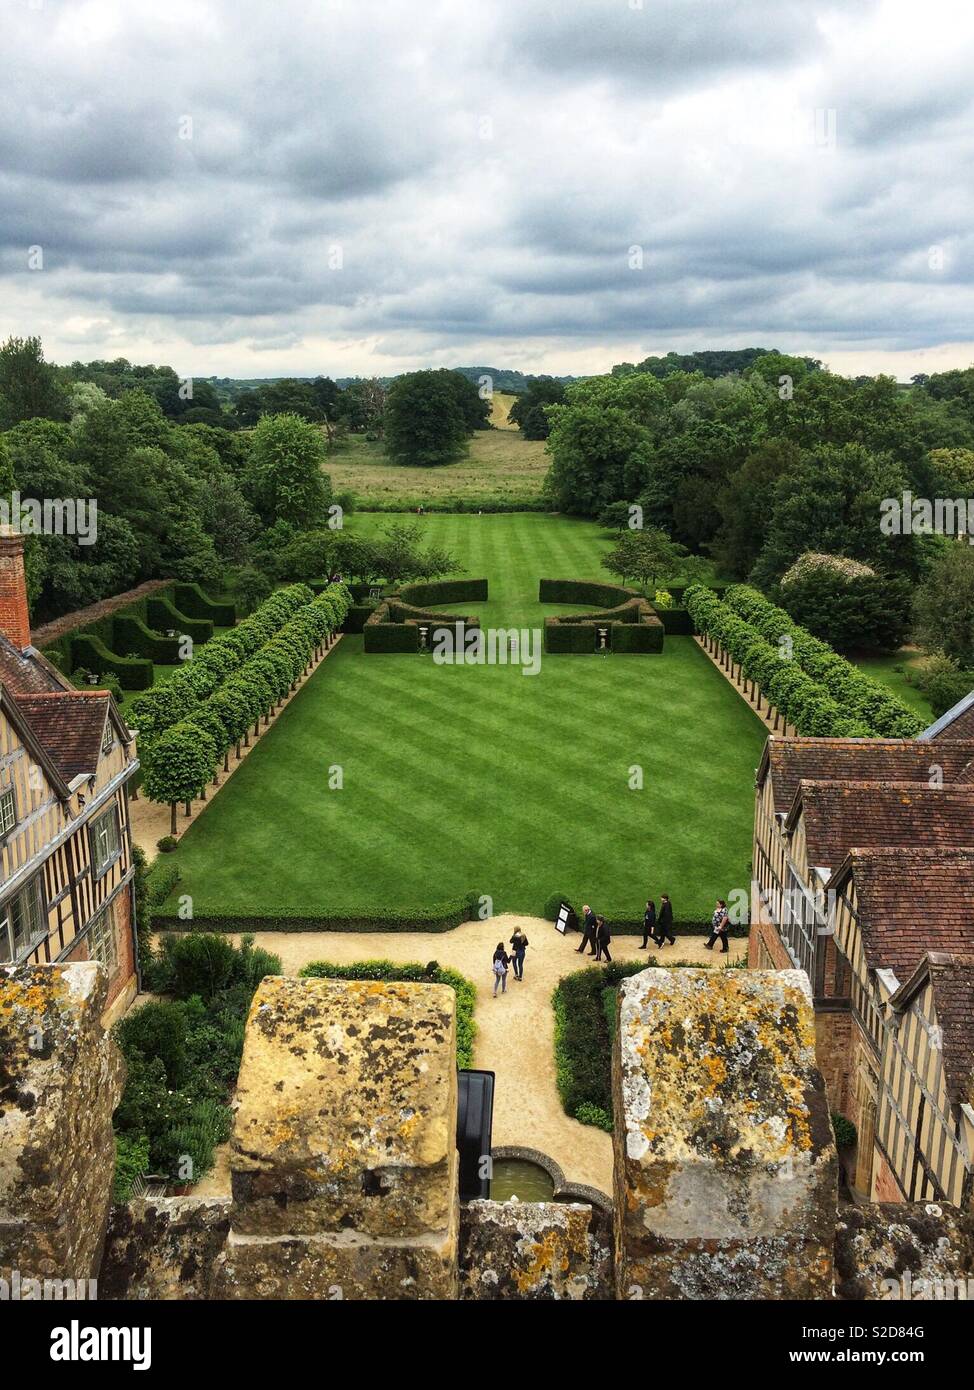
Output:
x=664 y=922
x=649 y=923
x=603 y=936
x=588 y=931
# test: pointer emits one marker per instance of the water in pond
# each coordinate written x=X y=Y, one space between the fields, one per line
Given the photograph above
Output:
x=517 y=1177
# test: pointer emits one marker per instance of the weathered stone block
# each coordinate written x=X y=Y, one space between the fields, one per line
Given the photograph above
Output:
x=725 y=1163
x=164 y=1247
x=904 y=1251
x=534 y=1251
x=339 y=1265
x=346 y=1115
x=61 y=1077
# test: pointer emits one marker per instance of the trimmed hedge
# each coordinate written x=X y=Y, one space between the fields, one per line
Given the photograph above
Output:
x=358 y=615
x=162 y=614
x=438 y=917
x=676 y=622
x=390 y=637
x=583 y=1040
x=434 y=973
x=425 y=595
x=816 y=690
x=191 y=600
x=132 y=673
x=584 y=591
x=561 y=637
x=132 y=635
x=643 y=637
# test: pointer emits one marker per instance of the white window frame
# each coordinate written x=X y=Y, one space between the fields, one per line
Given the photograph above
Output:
x=103 y=939
x=108 y=737
x=100 y=866
x=8 y=798
x=35 y=888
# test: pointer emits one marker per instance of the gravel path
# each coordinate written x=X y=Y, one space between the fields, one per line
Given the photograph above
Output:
x=514 y=1031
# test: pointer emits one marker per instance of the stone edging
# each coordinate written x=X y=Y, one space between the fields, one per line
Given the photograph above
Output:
x=564 y=1191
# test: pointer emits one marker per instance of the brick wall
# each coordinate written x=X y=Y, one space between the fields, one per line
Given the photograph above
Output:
x=833 y=1051
x=765 y=950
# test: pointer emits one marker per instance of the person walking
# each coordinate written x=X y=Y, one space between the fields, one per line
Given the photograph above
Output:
x=719 y=924
x=664 y=922
x=588 y=931
x=649 y=923
x=501 y=962
x=603 y=936
x=519 y=944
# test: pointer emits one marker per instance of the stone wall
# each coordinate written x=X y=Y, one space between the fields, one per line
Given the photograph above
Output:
x=344 y=1170
x=343 y=1158
x=725 y=1164
x=534 y=1251
x=61 y=1077
x=904 y=1250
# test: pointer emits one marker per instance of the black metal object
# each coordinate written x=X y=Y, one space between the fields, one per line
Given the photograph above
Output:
x=475 y=1119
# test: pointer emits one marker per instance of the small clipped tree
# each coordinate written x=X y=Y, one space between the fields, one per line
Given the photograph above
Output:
x=234 y=709
x=208 y=718
x=180 y=764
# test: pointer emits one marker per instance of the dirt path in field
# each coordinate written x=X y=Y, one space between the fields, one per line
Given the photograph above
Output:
x=515 y=1031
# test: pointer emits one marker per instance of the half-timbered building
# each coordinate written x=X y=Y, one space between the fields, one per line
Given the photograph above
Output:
x=66 y=757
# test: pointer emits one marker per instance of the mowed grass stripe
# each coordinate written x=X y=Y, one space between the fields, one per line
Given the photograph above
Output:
x=481 y=778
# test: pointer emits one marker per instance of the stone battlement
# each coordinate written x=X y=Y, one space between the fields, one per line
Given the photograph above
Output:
x=344 y=1165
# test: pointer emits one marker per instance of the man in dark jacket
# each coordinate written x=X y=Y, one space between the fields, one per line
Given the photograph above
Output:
x=588 y=931
x=649 y=924
x=602 y=936
x=664 y=922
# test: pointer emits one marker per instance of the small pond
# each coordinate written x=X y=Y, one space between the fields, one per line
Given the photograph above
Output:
x=518 y=1177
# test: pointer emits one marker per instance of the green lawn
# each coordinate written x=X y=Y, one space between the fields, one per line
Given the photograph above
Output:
x=891 y=672
x=481 y=778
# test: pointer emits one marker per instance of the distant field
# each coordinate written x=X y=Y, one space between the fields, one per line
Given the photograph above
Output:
x=500 y=466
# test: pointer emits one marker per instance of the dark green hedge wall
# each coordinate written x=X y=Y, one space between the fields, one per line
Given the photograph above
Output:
x=132 y=635
x=134 y=673
x=424 y=595
x=191 y=600
x=161 y=614
x=582 y=591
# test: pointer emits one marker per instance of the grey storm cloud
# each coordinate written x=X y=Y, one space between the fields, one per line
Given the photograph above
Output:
x=456 y=173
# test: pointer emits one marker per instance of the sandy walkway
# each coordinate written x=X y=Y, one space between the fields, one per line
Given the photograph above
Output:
x=515 y=1032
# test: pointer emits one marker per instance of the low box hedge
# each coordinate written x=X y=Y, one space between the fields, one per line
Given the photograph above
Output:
x=576 y=638
x=132 y=672
x=390 y=637
x=438 y=917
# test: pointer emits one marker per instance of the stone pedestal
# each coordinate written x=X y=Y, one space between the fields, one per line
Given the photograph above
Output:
x=61 y=1077
x=725 y=1163
x=343 y=1158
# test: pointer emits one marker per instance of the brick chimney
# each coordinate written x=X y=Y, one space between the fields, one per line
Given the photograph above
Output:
x=14 y=616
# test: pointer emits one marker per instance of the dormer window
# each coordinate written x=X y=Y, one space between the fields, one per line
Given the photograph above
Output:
x=8 y=811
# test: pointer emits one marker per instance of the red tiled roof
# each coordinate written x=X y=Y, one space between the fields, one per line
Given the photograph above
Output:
x=842 y=816
x=790 y=760
x=911 y=900
x=70 y=725
x=26 y=673
x=952 y=979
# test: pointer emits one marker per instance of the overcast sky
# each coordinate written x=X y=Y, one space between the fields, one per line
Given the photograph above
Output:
x=250 y=188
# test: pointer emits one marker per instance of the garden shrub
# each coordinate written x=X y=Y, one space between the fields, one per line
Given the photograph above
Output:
x=583 y=1040
x=844 y=1130
x=183 y=1057
x=847 y=604
x=162 y=614
x=131 y=1162
x=433 y=973
x=191 y=600
x=132 y=635
x=552 y=906
x=583 y=591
